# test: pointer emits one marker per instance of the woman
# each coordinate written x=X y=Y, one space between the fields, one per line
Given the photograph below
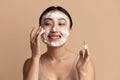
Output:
x=57 y=63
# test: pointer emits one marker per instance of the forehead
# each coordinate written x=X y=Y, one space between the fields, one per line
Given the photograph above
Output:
x=55 y=15
x=51 y=19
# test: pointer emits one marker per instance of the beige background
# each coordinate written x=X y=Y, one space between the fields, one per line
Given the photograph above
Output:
x=96 y=21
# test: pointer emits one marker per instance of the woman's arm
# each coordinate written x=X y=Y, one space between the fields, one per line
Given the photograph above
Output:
x=85 y=67
x=31 y=69
x=31 y=66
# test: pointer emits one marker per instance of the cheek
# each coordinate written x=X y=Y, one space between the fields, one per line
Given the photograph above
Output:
x=65 y=32
x=46 y=28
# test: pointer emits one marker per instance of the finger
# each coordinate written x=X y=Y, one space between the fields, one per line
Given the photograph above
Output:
x=86 y=54
x=86 y=58
x=86 y=50
x=39 y=33
x=32 y=34
x=80 y=58
x=41 y=30
x=44 y=36
x=81 y=54
x=36 y=34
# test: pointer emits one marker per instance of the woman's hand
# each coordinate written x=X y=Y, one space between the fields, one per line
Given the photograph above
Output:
x=35 y=42
x=83 y=61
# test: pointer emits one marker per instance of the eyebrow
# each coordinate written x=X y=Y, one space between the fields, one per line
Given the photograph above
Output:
x=62 y=19
x=52 y=19
x=47 y=19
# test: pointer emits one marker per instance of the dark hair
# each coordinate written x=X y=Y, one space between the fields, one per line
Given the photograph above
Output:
x=59 y=8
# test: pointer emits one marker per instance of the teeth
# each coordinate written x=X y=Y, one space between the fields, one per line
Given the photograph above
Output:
x=54 y=37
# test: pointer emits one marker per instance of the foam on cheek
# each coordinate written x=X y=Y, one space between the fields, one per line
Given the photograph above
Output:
x=45 y=36
x=65 y=33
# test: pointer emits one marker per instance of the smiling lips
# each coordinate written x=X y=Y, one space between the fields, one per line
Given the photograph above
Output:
x=54 y=36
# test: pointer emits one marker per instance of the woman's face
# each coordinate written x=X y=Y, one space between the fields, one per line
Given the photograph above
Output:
x=56 y=26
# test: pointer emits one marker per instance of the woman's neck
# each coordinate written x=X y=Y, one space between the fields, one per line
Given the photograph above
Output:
x=56 y=53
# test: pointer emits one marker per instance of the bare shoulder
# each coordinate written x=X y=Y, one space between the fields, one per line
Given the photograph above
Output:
x=26 y=66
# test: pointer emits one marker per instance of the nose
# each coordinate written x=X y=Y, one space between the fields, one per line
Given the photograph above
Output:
x=54 y=29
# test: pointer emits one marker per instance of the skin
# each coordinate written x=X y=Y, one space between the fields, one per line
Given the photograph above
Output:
x=55 y=58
